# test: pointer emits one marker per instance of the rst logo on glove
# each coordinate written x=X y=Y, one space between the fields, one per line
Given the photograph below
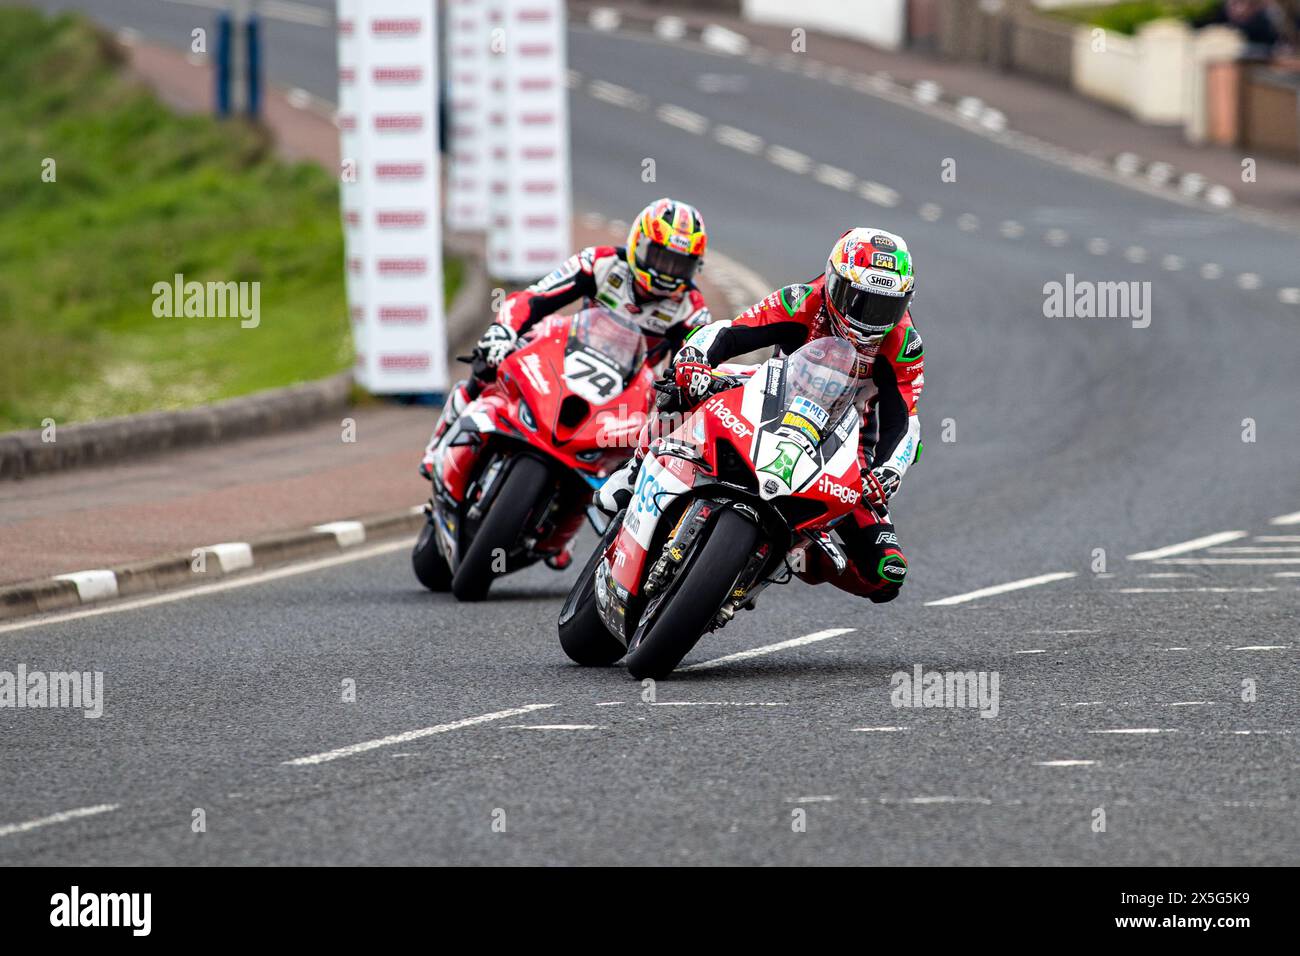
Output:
x=717 y=407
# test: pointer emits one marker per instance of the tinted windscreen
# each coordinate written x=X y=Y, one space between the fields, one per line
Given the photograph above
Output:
x=614 y=337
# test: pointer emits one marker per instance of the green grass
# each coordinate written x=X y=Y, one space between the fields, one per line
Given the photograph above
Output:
x=142 y=194
x=1126 y=16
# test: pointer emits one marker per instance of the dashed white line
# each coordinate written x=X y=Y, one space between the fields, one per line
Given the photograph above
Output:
x=789 y=159
x=1209 y=561
x=1172 y=263
x=835 y=177
x=407 y=736
x=1098 y=246
x=1211 y=270
x=10 y=829
x=770 y=648
x=1002 y=588
x=1135 y=730
x=877 y=730
x=1183 y=547
x=1289 y=296
x=1064 y=763
x=1204 y=590
x=738 y=139
x=617 y=95
x=878 y=194
x=1263 y=647
x=1056 y=238
x=931 y=212
x=682 y=118
x=1249 y=281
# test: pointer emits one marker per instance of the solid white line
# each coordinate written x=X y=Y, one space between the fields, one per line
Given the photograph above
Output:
x=1292 y=518
x=682 y=118
x=770 y=648
x=1001 y=588
x=717 y=703
x=1183 y=547
x=406 y=737
x=1293 y=549
x=1229 y=561
x=216 y=587
x=97 y=585
x=1277 y=538
x=877 y=730
x=1264 y=647
x=11 y=828
x=1064 y=763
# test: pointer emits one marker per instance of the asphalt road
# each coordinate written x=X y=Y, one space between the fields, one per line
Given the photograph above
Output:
x=1070 y=436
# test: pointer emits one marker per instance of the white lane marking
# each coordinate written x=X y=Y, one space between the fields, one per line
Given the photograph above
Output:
x=1056 y=237
x=1168 y=574
x=1135 y=254
x=682 y=118
x=1286 y=574
x=1098 y=246
x=1211 y=270
x=812 y=638
x=738 y=139
x=789 y=159
x=1289 y=296
x=927 y=92
x=1249 y=281
x=216 y=587
x=925 y=801
x=931 y=212
x=1001 y=588
x=1292 y=518
x=348 y=534
x=1263 y=647
x=617 y=95
x=877 y=730
x=1178 y=648
x=879 y=194
x=232 y=555
x=1012 y=229
x=556 y=727
x=1193 y=703
x=572 y=79
x=96 y=585
x=10 y=829
x=1064 y=763
x=717 y=703
x=1136 y=730
x=1036 y=650
x=368 y=745
x=835 y=177
x=610 y=703
x=968 y=222
x=1196 y=544
x=1172 y=263
x=1277 y=538
x=1205 y=590
x=814 y=799
x=1229 y=561
x=1252 y=550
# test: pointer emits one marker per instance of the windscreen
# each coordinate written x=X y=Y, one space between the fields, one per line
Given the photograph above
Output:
x=617 y=339
x=821 y=382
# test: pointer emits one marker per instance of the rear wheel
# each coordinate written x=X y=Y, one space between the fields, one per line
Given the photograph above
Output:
x=501 y=528
x=583 y=634
x=430 y=566
x=706 y=583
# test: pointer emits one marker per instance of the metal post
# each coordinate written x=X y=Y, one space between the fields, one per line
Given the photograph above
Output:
x=253 y=64
x=222 y=73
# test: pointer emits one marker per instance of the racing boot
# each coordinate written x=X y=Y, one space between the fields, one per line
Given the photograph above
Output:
x=615 y=494
x=457 y=399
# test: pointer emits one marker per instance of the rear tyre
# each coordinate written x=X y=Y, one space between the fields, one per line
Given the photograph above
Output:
x=688 y=612
x=430 y=566
x=501 y=527
x=583 y=635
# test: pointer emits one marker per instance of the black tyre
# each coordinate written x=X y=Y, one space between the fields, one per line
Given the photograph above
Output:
x=583 y=634
x=698 y=596
x=501 y=527
x=430 y=566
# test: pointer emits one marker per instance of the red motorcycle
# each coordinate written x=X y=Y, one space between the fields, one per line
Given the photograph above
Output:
x=725 y=504
x=517 y=470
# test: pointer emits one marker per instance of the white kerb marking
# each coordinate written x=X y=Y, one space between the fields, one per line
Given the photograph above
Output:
x=348 y=534
x=365 y=746
x=1001 y=589
x=96 y=585
x=10 y=829
x=232 y=555
x=724 y=40
x=1183 y=547
x=670 y=28
x=605 y=19
x=770 y=648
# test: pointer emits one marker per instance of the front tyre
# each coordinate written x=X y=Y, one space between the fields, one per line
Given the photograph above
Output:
x=583 y=634
x=426 y=559
x=501 y=528
x=706 y=584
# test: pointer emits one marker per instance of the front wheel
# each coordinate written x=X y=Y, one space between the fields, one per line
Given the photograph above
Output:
x=426 y=559
x=501 y=528
x=705 y=585
x=583 y=634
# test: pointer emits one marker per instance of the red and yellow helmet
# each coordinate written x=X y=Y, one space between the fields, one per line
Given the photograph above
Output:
x=869 y=286
x=665 y=246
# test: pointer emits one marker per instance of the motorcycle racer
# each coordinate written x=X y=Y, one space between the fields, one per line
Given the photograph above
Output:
x=864 y=296
x=650 y=280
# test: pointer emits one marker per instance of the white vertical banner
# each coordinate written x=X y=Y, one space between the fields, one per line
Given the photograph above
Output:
x=350 y=187
x=467 y=81
x=400 y=222
x=530 y=228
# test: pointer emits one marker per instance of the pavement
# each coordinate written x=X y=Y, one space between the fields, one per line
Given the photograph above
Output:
x=1105 y=517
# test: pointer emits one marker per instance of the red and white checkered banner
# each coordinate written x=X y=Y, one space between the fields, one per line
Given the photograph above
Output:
x=388 y=111
x=530 y=228
x=467 y=63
